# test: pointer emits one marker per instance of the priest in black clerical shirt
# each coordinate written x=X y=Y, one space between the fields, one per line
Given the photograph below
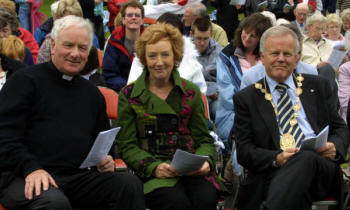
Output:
x=49 y=119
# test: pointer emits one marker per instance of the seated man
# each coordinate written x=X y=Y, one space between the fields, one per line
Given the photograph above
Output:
x=273 y=118
x=195 y=10
x=48 y=124
x=257 y=72
x=209 y=50
x=316 y=49
x=301 y=11
x=119 y=52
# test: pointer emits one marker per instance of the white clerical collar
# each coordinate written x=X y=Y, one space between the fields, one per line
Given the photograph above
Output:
x=67 y=77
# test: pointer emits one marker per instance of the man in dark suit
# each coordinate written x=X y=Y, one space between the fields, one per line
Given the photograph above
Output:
x=273 y=118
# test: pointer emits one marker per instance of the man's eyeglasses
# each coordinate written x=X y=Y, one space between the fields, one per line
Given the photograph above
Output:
x=130 y=15
x=200 y=39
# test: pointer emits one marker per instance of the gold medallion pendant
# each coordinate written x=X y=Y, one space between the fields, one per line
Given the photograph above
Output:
x=287 y=141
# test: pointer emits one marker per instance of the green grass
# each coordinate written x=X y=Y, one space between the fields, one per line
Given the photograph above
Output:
x=45 y=7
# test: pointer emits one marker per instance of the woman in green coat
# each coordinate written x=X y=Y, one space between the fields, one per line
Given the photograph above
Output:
x=159 y=113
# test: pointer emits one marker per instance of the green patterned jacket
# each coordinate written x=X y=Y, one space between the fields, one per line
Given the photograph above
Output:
x=152 y=129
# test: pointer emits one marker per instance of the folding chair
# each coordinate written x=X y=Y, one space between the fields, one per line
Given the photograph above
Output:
x=112 y=98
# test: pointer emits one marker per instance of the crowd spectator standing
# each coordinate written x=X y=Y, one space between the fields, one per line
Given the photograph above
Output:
x=226 y=16
x=24 y=14
x=88 y=7
x=328 y=6
x=114 y=9
x=209 y=50
x=119 y=52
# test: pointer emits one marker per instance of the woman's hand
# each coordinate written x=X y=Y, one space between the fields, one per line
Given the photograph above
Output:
x=164 y=170
x=204 y=170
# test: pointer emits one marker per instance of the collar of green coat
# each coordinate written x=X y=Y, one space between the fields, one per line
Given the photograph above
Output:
x=141 y=83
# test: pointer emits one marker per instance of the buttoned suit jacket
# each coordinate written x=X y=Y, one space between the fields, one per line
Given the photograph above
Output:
x=257 y=132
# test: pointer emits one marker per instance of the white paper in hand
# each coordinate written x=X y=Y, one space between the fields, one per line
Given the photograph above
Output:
x=101 y=147
x=185 y=162
x=317 y=142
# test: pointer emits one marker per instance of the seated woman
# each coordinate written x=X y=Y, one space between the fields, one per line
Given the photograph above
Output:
x=159 y=113
x=13 y=47
x=9 y=26
x=333 y=34
x=241 y=54
x=8 y=63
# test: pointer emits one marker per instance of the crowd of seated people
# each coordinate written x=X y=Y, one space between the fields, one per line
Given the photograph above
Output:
x=269 y=81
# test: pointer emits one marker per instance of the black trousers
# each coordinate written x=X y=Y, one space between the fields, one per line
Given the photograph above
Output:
x=83 y=190
x=306 y=177
x=190 y=193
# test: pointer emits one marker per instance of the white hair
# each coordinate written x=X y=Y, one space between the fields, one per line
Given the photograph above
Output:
x=281 y=21
x=316 y=17
x=271 y=16
x=54 y=7
x=69 y=21
x=278 y=31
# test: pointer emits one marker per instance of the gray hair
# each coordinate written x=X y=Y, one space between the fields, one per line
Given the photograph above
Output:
x=278 y=31
x=317 y=17
x=197 y=8
x=69 y=21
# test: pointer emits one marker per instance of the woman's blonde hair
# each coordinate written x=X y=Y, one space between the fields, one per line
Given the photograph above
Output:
x=156 y=32
x=334 y=19
x=13 y=47
x=68 y=7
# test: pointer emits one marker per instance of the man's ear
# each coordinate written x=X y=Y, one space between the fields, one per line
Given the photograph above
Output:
x=298 y=56
x=53 y=44
x=261 y=55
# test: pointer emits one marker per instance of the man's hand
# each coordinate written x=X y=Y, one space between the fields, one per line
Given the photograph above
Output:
x=35 y=180
x=319 y=65
x=284 y=156
x=214 y=96
x=238 y=6
x=204 y=170
x=164 y=170
x=106 y=165
x=328 y=151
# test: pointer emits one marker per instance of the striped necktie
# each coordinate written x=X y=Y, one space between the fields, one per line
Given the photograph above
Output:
x=285 y=114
